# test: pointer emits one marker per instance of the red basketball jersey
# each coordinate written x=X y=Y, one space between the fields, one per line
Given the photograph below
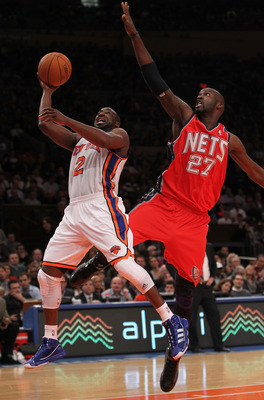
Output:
x=198 y=165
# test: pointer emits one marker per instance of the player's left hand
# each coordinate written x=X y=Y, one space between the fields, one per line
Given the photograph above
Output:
x=49 y=114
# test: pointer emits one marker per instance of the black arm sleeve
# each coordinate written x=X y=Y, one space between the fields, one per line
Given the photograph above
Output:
x=153 y=79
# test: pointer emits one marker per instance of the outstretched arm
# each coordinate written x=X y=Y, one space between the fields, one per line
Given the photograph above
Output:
x=239 y=154
x=177 y=109
x=60 y=135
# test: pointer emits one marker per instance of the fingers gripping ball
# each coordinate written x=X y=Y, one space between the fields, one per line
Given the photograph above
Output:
x=54 y=69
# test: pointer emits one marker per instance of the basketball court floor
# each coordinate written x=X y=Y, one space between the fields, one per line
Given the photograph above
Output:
x=238 y=375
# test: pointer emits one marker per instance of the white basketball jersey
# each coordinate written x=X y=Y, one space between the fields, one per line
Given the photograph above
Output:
x=93 y=170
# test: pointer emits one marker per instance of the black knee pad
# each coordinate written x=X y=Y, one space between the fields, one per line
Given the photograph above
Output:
x=86 y=270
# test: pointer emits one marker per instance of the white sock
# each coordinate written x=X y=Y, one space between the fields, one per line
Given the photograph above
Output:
x=50 y=331
x=164 y=312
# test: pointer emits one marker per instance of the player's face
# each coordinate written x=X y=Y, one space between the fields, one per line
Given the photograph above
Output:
x=106 y=119
x=206 y=101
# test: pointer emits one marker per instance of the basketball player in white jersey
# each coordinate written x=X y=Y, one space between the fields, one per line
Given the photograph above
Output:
x=95 y=217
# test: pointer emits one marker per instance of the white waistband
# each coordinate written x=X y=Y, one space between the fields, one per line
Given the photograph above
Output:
x=83 y=199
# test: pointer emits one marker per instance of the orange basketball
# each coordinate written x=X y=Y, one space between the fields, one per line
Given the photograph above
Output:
x=54 y=69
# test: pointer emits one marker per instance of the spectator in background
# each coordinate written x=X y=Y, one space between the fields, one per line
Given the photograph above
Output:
x=31 y=199
x=238 y=287
x=225 y=250
x=220 y=270
x=23 y=254
x=88 y=294
x=4 y=279
x=35 y=259
x=124 y=281
x=222 y=289
x=115 y=292
x=37 y=255
x=15 y=266
x=27 y=290
x=141 y=260
x=33 y=273
x=232 y=262
x=153 y=252
x=164 y=279
x=169 y=287
x=8 y=270
x=11 y=242
x=239 y=269
x=250 y=281
x=155 y=271
x=67 y=293
x=18 y=185
x=8 y=334
x=259 y=266
x=98 y=283
x=13 y=197
x=14 y=302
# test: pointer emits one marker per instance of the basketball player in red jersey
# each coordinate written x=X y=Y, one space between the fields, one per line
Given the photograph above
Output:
x=176 y=212
x=190 y=186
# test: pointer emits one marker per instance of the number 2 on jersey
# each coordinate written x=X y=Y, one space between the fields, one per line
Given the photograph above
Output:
x=78 y=170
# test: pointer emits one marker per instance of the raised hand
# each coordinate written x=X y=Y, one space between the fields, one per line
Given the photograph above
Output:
x=50 y=114
x=45 y=87
x=128 y=22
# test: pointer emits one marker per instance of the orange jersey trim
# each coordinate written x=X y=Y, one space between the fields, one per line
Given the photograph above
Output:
x=58 y=265
x=129 y=254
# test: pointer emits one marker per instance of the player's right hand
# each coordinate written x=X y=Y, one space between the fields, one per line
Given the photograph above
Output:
x=126 y=18
x=45 y=86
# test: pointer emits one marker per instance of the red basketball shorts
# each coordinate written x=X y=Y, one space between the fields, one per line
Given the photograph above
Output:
x=182 y=231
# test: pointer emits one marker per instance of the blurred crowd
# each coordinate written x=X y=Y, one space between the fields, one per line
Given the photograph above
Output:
x=80 y=14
